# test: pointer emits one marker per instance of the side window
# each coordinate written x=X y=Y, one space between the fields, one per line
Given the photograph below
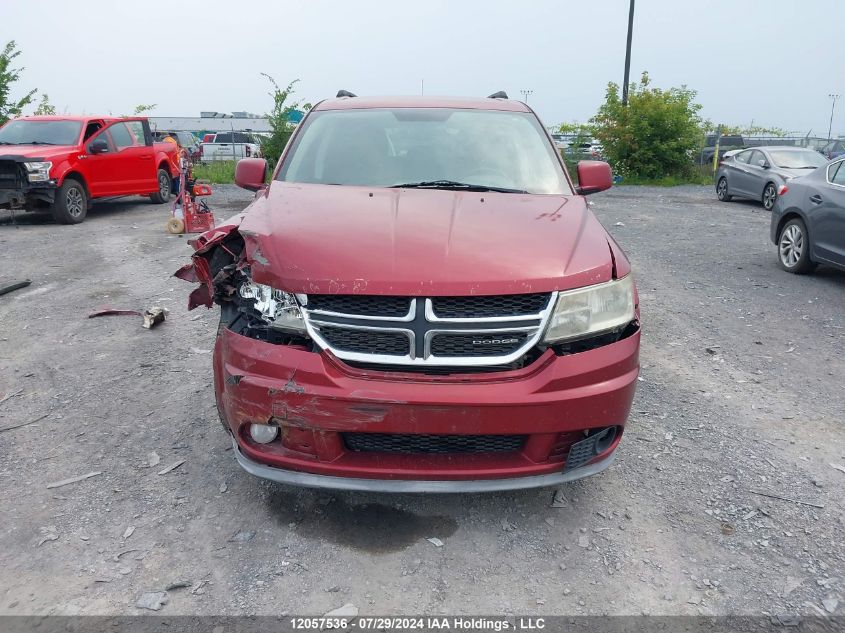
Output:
x=743 y=157
x=757 y=158
x=136 y=128
x=121 y=136
x=224 y=137
x=91 y=129
x=103 y=137
x=836 y=173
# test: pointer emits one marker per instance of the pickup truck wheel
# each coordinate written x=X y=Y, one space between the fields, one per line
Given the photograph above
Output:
x=71 y=204
x=163 y=194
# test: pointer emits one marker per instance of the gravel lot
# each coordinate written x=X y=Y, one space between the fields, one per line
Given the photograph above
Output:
x=741 y=393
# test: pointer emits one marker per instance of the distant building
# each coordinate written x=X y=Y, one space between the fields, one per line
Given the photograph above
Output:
x=210 y=121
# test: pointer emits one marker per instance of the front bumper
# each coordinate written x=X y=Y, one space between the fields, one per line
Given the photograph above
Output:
x=316 y=399
x=27 y=196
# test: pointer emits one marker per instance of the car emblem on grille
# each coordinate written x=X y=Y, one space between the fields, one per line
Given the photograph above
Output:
x=496 y=341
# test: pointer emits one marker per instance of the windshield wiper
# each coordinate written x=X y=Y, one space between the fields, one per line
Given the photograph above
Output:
x=453 y=184
x=37 y=143
x=7 y=143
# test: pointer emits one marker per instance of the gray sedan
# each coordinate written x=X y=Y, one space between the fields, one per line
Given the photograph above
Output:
x=808 y=220
x=758 y=173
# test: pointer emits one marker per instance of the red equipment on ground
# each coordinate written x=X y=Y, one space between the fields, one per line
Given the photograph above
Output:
x=189 y=215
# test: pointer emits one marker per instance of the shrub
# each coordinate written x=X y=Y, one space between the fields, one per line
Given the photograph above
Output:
x=655 y=136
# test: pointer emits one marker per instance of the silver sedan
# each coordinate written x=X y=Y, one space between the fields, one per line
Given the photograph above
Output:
x=758 y=173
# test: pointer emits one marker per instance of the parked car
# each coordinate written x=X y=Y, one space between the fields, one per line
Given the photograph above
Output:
x=834 y=149
x=589 y=149
x=561 y=140
x=420 y=300
x=727 y=143
x=757 y=173
x=185 y=139
x=62 y=163
x=231 y=146
x=808 y=220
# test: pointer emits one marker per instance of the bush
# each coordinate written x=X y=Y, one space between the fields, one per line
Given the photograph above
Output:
x=279 y=120
x=655 y=137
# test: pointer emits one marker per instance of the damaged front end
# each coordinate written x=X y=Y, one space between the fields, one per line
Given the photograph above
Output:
x=223 y=267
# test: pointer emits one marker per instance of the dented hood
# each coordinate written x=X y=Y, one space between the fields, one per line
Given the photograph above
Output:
x=331 y=239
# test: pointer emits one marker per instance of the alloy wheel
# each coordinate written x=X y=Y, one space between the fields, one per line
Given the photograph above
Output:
x=722 y=189
x=163 y=185
x=769 y=196
x=791 y=246
x=74 y=202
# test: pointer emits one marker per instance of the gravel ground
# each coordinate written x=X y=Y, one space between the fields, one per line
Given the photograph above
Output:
x=741 y=396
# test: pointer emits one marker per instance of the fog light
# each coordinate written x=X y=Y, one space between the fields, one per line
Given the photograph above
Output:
x=263 y=433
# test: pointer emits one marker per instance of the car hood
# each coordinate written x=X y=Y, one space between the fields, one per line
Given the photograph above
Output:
x=45 y=152
x=333 y=239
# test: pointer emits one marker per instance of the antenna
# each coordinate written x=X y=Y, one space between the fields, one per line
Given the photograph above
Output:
x=345 y=93
x=499 y=95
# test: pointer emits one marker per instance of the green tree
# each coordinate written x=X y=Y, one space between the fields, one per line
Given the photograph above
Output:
x=140 y=109
x=279 y=119
x=655 y=136
x=9 y=107
x=45 y=107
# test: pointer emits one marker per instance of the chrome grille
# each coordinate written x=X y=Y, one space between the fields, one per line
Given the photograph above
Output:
x=477 y=344
x=488 y=305
x=427 y=331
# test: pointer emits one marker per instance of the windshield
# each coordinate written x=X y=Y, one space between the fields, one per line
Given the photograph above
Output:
x=432 y=147
x=799 y=159
x=40 y=133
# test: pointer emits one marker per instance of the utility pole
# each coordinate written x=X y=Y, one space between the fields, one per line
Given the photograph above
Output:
x=833 y=98
x=628 y=54
x=525 y=94
x=422 y=86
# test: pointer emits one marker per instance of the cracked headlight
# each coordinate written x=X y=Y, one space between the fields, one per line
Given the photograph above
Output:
x=277 y=308
x=38 y=171
x=592 y=310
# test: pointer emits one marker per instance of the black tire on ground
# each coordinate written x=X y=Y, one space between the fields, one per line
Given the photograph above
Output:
x=770 y=194
x=794 y=248
x=164 y=185
x=722 y=190
x=71 y=203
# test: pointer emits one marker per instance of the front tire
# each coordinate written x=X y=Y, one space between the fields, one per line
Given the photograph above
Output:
x=794 y=248
x=164 y=185
x=722 y=190
x=770 y=195
x=71 y=203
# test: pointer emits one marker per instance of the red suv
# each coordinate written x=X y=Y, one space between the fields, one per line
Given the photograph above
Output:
x=420 y=301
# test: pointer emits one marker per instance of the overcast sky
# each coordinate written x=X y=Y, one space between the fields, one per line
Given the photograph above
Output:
x=770 y=61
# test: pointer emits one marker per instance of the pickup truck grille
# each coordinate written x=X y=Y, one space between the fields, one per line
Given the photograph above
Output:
x=10 y=174
x=469 y=331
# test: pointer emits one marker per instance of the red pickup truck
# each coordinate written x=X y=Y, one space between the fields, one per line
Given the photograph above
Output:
x=62 y=163
x=420 y=300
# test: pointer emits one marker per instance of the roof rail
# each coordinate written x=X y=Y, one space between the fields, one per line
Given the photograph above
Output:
x=499 y=95
x=345 y=93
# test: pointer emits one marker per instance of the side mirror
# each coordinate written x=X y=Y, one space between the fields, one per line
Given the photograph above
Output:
x=593 y=176
x=100 y=146
x=251 y=173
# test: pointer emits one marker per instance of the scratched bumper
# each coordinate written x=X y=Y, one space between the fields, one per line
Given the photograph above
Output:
x=315 y=399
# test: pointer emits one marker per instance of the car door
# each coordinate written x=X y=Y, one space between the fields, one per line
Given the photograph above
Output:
x=826 y=201
x=758 y=174
x=134 y=164
x=100 y=176
x=738 y=173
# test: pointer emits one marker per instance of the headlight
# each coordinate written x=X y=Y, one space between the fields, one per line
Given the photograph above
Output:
x=591 y=310
x=38 y=171
x=277 y=308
